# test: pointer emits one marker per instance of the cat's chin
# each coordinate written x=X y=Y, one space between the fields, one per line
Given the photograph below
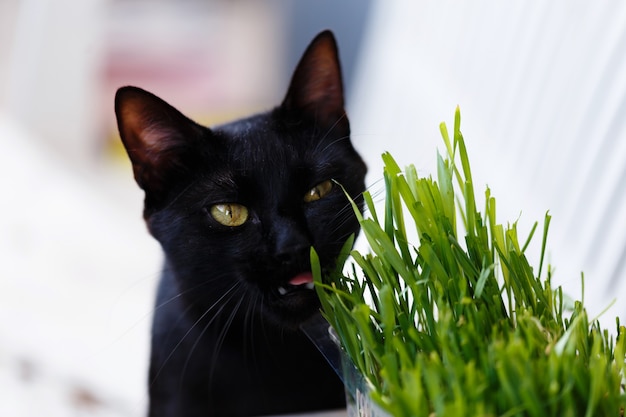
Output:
x=290 y=305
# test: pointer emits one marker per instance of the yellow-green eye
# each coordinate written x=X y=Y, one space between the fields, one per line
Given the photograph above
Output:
x=319 y=191
x=229 y=214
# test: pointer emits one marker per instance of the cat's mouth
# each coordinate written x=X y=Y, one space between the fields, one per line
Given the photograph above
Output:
x=292 y=300
x=302 y=281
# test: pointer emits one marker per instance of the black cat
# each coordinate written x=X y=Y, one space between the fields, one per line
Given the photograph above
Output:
x=236 y=209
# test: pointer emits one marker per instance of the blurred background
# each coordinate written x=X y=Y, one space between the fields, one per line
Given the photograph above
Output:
x=542 y=92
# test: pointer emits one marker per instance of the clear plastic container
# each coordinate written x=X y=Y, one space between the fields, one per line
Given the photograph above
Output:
x=358 y=401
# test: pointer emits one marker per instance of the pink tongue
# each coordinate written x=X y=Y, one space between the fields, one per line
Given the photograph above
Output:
x=303 y=278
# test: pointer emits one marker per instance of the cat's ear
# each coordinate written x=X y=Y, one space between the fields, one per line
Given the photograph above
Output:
x=316 y=87
x=157 y=138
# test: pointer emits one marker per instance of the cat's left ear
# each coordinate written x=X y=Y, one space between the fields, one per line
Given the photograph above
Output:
x=316 y=88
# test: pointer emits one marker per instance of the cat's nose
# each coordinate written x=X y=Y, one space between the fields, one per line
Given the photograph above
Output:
x=291 y=244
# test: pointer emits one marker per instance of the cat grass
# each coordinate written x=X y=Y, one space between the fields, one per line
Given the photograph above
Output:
x=459 y=323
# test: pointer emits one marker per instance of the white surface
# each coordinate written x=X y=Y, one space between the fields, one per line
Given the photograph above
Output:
x=76 y=288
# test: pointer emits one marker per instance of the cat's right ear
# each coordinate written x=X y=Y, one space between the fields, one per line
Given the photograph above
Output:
x=157 y=138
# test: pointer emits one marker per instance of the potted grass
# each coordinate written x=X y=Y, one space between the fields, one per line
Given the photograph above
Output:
x=459 y=323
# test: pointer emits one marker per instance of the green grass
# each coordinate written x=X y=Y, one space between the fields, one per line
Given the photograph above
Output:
x=459 y=323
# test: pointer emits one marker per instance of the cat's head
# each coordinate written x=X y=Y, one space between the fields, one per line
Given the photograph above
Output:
x=237 y=207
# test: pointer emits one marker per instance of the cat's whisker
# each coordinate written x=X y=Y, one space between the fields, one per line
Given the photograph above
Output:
x=189 y=290
x=344 y=116
x=248 y=321
x=346 y=214
x=223 y=331
x=178 y=196
x=189 y=331
x=331 y=144
x=343 y=216
x=151 y=312
x=222 y=335
x=378 y=193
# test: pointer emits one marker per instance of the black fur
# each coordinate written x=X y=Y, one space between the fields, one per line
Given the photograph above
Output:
x=224 y=340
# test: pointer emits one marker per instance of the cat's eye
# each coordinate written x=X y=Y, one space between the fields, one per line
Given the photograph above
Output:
x=319 y=191
x=229 y=214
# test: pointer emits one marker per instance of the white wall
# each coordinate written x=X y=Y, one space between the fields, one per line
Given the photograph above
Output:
x=542 y=92
x=51 y=69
